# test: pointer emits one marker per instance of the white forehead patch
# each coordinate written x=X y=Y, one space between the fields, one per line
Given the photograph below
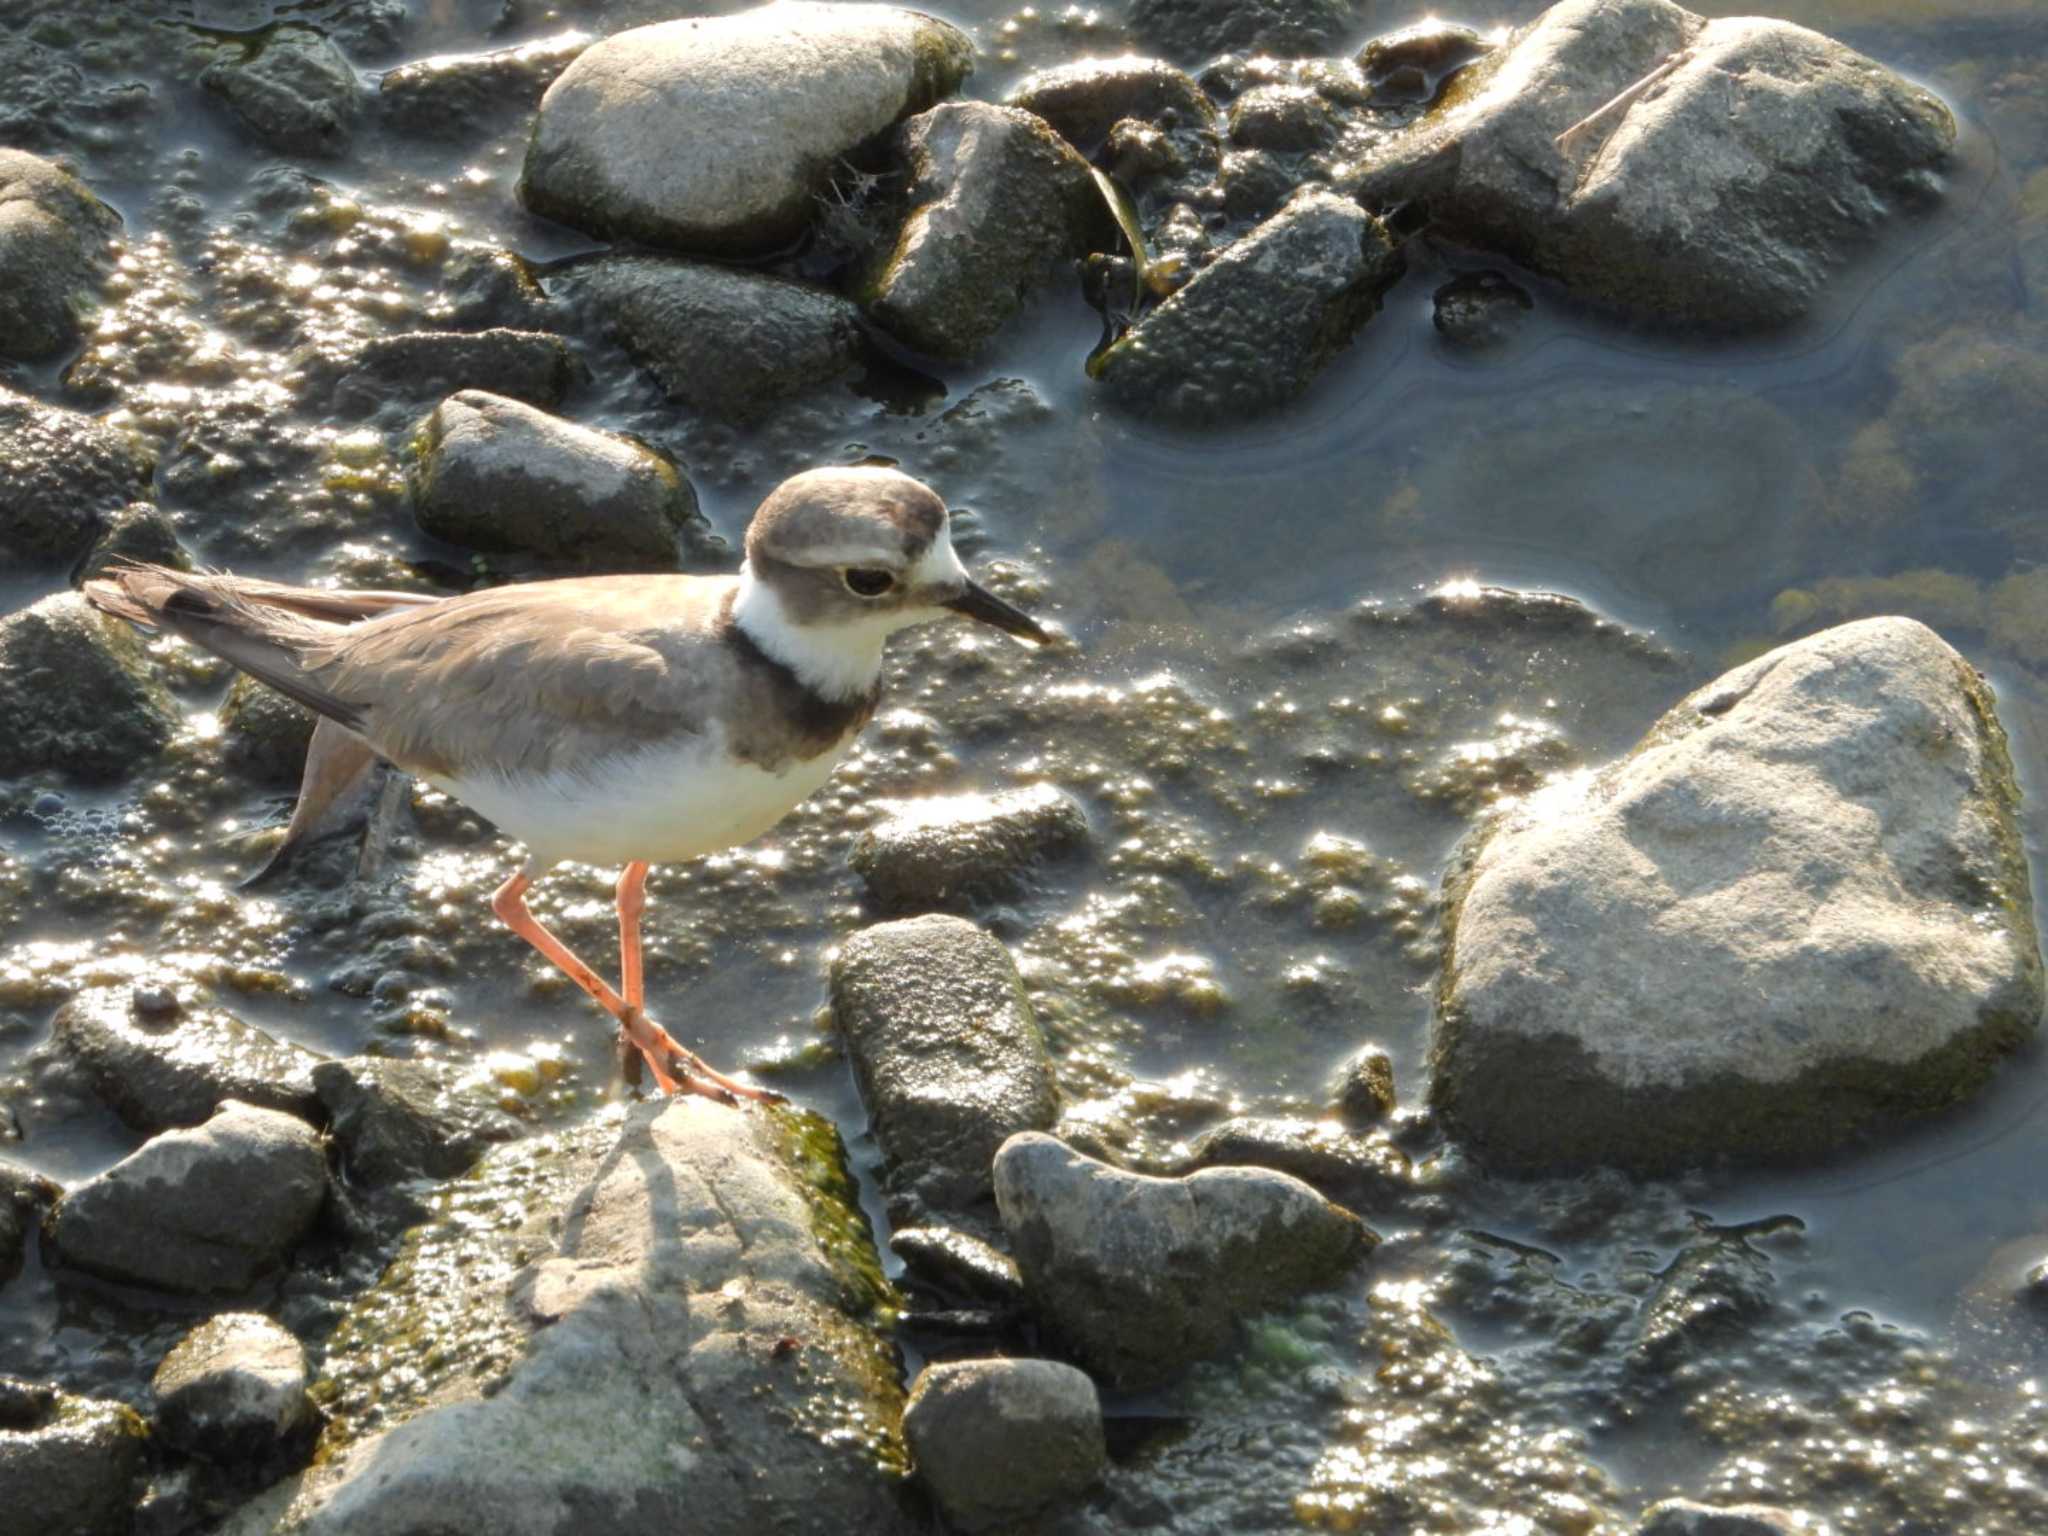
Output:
x=939 y=565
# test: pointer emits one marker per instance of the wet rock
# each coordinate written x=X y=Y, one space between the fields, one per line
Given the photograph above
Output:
x=1137 y=1277
x=1084 y=100
x=138 y=532
x=717 y=134
x=463 y=94
x=1200 y=29
x=724 y=341
x=23 y=1198
x=946 y=1051
x=483 y=286
x=1362 y=1089
x=2034 y=1287
x=1254 y=182
x=1413 y=63
x=1254 y=328
x=75 y=694
x=1799 y=908
x=1477 y=310
x=952 y=852
x=1366 y=1172
x=63 y=477
x=233 y=1391
x=69 y=1466
x=198 y=1211
x=1716 y=1287
x=532 y=366
x=1789 y=149
x=700 y=1313
x=1285 y=119
x=997 y=202
x=264 y=735
x=399 y=1120
x=53 y=254
x=159 y=1069
x=288 y=87
x=497 y=475
x=959 y=1263
x=1683 y=1517
x=998 y=1441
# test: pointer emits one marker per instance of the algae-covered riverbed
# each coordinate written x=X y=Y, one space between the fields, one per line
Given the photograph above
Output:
x=1309 y=651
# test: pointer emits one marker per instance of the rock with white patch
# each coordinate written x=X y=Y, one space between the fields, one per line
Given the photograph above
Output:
x=717 y=134
x=233 y=1391
x=1138 y=1277
x=496 y=474
x=997 y=1441
x=1799 y=909
x=1714 y=173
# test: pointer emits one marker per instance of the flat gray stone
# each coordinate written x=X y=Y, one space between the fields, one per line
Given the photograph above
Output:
x=1000 y=1440
x=288 y=87
x=1725 y=194
x=951 y=1260
x=1799 y=909
x=716 y=134
x=1139 y=1277
x=694 y=1349
x=69 y=1466
x=233 y=1391
x=162 y=1069
x=954 y=852
x=1251 y=330
x=400 y=1120
x=946 y=1050
x=495 y=474
x=77 y=698
x=200 y=1211
x=53 y=254
x=63 y=477
x=997 y=203
x=720 y=340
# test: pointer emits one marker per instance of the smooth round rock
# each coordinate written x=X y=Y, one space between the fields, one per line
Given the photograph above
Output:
x=53 y=252
x=715 y=134
x=1000 y=1440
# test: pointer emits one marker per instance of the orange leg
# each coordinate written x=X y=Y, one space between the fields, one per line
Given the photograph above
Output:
x=632 y=901
x=653 y=1042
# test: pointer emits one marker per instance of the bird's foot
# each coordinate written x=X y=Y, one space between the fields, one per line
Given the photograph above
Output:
x=678 y=1069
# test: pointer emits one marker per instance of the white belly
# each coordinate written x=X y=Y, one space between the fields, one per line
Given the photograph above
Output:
x=661 y=804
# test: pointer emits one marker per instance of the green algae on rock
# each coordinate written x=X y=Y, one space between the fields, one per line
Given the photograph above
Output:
x=1798 y=910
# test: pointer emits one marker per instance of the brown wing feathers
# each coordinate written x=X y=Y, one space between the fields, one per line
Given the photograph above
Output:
x=262 y=627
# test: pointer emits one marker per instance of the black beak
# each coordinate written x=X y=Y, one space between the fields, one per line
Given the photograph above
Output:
x=977 y=602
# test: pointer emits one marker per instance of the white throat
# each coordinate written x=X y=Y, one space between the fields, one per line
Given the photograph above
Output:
x=839 y=661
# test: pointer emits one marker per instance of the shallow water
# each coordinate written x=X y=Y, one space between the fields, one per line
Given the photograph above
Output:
x=1710 y=501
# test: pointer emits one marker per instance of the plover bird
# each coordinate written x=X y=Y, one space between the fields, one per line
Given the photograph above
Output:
x=628 y=720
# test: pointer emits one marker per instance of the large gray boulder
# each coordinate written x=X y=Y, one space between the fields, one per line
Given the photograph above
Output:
x=716 y=134
x=63 y=476
x=996 y=202
x=1799 y=908
x=720 y=340
x=696 y=1347
x=1254 y=328
x=53 y=254
x=201 y=1211
x=1753 y=160
x=1139 y=1277
x=76 y=695
x=997 y=1441
x=160 y=1064
x=946 y=1049
x=495 y=474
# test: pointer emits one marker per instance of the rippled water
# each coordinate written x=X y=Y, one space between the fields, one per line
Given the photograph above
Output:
x=1885 y=457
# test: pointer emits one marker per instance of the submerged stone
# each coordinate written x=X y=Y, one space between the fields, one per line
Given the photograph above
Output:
x=1139 y=1277
x=717 y=134
x=1252 y=329
x=289 y=87
x=1798 y=910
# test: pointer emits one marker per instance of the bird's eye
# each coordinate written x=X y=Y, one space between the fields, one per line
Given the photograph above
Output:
x=865 y=582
